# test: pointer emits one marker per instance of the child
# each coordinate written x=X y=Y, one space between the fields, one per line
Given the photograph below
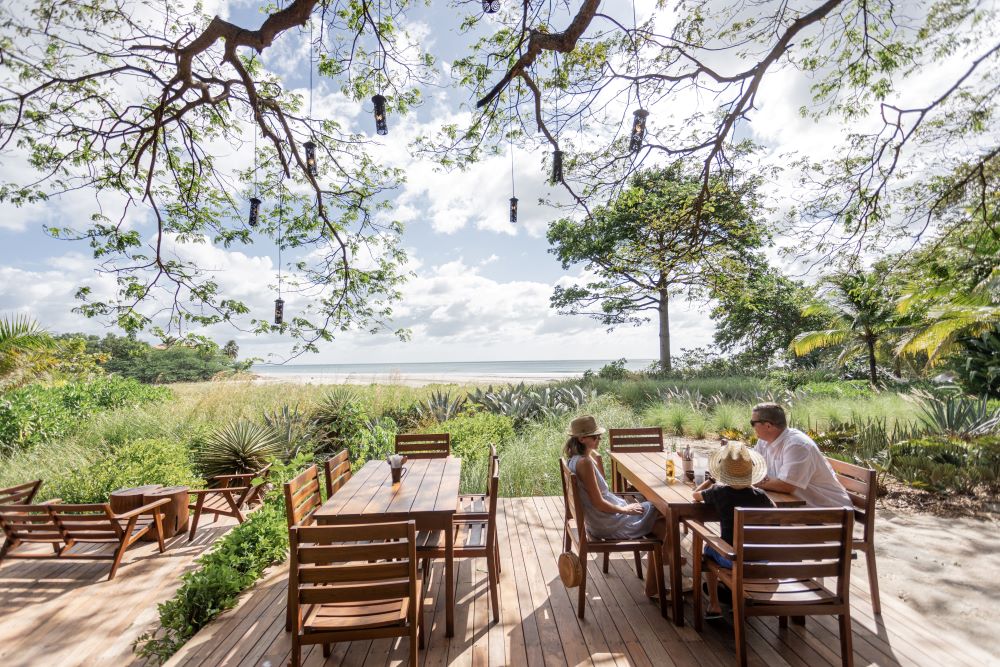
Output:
x=736 y=468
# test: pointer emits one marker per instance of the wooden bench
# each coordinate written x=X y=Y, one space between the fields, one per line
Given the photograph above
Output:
x=22 y=494
x=229 y=495
x=63 y=526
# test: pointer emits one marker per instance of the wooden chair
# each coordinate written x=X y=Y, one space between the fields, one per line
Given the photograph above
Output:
x=302 y=498
x=476 y=502
x=65 y=525
x=860 y=485
x=424 y=445
x=475 y=537
x=229 y=495
x=339 y=597
x=779 y=559
x=337 y=471
x=575 y=532
x=22 y=494
x=632 y=440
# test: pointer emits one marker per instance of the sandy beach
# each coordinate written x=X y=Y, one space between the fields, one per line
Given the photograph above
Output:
x=408 y=379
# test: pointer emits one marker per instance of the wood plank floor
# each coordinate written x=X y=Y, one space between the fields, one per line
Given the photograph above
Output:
x=538 y=624
x=65 y=612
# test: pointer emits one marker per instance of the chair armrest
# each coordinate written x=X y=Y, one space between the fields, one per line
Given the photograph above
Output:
x=224 y=490
x=244 y=477
x=144 y=509
x=51 y=501
x=711 y=539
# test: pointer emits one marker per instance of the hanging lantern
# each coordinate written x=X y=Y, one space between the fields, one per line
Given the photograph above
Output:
x=381 y=126
x=254 y=211
x=638 y=129
x=557 y=172
x=311 y=158
x=513 y=209
x=491 y=6
x=279 y=310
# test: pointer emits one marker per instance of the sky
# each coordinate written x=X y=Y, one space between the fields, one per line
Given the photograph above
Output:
x=481 y=286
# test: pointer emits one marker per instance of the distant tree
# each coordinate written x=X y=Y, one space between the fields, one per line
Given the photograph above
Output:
x=231 y=350
x=759 y=313
x=650 y=244
x=859 y=311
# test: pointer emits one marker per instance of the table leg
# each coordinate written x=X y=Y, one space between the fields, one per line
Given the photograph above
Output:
x=676 y=571
x=449 y=576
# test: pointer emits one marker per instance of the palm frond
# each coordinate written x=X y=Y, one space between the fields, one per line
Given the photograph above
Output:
x=808 y=341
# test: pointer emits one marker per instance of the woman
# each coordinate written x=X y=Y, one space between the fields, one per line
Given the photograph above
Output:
x=608 y=515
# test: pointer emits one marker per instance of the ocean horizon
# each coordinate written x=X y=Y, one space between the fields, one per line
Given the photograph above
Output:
x=526 y=368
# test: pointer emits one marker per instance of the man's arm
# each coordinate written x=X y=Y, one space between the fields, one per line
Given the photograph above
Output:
x=777 y=485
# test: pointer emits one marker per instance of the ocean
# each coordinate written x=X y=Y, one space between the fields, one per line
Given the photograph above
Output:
x=554 y=368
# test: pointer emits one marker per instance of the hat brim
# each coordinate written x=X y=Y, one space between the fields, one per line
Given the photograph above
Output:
x=757 y=474
x=600 y=431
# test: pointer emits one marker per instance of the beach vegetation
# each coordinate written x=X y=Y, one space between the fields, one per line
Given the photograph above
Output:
x=238 y=447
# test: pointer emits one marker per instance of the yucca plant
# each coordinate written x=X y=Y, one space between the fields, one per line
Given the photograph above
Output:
x=292 y=428
x=239 y=447
x=440 y=406
x=956 y=415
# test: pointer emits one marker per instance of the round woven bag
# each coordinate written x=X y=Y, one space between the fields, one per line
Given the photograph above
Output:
x=570 y=569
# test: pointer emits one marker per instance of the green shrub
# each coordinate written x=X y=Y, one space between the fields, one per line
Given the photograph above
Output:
x=239 y=447
x=471 y=437
x=234 y=564
x=134 y=464
x=840 y=389
x=338 y=421
x=674 y=418
x=376 y=441
x=940 y=464
x=729 y=417
x=38 y=413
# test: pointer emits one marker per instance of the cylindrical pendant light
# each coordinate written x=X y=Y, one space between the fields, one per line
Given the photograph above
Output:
x=638 y=129
x=254 y=211
x=381 y=124
x=311 y=158
x=513 y=209
x=279 y=310
x=557 y=167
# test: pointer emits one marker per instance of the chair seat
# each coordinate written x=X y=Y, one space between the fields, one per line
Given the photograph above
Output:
x=359 y=615
x=779 y=591
x=473 y=502
x=469 y=535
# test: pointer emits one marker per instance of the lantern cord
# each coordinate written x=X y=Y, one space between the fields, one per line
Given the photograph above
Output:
x=381 y=49
x=281 y=217
x=310 y=68
x=558 y=95
x=635 y=50
x=510 y=138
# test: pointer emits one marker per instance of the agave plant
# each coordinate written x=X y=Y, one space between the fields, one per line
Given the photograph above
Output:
x=239 y=447
x=523 y=404
x=957 y=415
x=292 y=429
x=440 y=406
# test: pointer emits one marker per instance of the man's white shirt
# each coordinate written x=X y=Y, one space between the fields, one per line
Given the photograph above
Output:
x=794 y=458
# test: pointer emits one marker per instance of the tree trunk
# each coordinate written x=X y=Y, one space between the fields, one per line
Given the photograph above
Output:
x=872 y=369
x=664 y=331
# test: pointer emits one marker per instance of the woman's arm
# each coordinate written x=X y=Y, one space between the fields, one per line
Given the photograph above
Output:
x=586 y=472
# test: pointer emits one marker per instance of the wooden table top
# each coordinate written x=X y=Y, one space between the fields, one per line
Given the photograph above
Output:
x=649 y=469
x=428 y=487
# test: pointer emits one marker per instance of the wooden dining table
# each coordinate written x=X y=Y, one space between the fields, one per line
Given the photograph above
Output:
x=427 y=494
x=646 y=471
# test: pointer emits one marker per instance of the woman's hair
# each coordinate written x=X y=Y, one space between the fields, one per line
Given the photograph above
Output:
x=574 y=447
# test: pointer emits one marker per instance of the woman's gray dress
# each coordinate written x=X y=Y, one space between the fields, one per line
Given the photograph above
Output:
x=616 y=526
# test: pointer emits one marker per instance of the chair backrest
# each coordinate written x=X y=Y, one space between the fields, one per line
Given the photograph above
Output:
x=302 y=497
x=28 y=522
x=353 y=564
x=636 y=440
x=22 y=494
x=337 y=470
x=92 y=522
x=424 y=445
x=492 y=500
x=571 y=498
x=859 y=482
x=799 y=543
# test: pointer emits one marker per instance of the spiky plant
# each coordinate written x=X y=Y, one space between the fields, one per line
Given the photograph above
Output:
x=292 y=428
x=19 y=336
x=239 y=447
x=957 y=415
x=440 y=406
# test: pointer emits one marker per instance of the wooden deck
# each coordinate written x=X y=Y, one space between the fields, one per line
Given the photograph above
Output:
x=539 y=625
x=65 y=612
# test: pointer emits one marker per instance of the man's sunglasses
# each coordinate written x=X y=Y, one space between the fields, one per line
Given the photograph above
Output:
x=754 y=422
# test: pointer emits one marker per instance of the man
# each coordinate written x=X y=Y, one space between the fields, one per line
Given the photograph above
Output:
x=794 y=463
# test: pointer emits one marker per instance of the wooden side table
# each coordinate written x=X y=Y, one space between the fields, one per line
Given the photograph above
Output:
x=175 y=515
x=126 y=500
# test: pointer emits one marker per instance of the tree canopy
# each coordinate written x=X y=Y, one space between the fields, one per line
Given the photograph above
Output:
x=650 y=244
x=137 y=102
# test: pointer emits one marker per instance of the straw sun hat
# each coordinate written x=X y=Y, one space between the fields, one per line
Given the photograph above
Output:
x=737 y=465
x=584 y=426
